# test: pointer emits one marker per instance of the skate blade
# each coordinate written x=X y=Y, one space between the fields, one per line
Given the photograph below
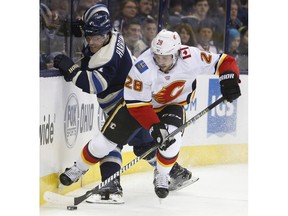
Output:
x=185 y=184
x=113 y=199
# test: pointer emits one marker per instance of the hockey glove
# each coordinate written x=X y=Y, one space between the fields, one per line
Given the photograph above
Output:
x=66 y=66
x=159 y=132
x=229 y=86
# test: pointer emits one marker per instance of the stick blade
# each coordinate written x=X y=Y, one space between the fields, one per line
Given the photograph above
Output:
x=59 y=199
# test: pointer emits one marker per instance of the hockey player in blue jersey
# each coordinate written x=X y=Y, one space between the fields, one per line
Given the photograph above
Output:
x=103 y=72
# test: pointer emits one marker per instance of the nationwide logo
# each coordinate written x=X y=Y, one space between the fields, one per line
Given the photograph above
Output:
x=71 y=120
x=47 y=130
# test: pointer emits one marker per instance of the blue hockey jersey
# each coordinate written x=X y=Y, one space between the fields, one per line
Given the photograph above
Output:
x=104 y=73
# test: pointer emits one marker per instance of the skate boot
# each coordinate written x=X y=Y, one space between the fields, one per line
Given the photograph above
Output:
x=180 y=177
x=71 y=175
x=111 y=193
x=161 y=183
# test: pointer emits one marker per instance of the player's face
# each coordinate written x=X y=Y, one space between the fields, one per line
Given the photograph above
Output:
x=164 y=62
x=95 y=42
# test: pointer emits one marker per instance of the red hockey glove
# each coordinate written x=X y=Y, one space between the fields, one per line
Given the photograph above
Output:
x=159 y=132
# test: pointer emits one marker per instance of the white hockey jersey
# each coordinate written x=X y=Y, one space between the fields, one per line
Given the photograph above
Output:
x=147 y=86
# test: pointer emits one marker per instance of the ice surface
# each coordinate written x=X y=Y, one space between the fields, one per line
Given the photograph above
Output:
x=222 y=190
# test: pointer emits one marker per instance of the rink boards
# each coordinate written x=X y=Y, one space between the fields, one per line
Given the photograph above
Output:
x=70 y=117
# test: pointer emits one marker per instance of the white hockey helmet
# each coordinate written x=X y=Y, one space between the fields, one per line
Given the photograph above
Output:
x=166 y=43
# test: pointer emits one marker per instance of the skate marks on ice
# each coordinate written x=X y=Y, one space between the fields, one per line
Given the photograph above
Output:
x=220 y=191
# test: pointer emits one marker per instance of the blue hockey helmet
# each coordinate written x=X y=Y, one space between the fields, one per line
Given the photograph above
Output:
x=97 y=20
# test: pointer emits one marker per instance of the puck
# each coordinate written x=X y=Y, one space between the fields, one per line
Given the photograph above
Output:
x=72 y=208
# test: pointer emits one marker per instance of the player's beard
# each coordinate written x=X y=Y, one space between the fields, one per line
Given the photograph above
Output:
x=165 y=68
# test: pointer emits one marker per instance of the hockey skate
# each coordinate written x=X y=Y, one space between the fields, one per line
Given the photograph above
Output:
x=180 y=177
x=161 y=184
x=71 y=175
x=112 y=193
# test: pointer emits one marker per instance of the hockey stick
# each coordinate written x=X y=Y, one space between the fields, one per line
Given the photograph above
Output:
x=66 y=200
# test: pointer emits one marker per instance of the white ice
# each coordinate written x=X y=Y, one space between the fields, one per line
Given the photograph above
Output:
x=222 y=190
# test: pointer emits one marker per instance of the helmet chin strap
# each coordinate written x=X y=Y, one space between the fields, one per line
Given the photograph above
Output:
x=174 y=62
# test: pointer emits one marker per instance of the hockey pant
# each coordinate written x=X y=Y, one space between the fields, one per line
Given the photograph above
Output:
x=121 y=128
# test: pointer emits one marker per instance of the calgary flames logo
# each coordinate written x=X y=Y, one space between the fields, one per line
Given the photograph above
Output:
x=170 y=92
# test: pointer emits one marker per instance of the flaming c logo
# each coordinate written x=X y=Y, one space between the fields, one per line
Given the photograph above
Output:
x=170 y=92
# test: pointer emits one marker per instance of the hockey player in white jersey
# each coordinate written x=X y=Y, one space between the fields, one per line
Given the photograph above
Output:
x=103 y=72
x=162 y=80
